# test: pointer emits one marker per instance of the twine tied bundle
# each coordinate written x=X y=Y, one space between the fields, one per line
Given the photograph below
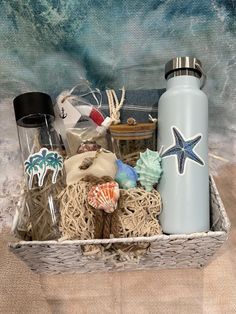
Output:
x=114 y=104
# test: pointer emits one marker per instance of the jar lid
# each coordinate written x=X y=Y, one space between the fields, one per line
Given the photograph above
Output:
x=183 y=63
x=31 y=109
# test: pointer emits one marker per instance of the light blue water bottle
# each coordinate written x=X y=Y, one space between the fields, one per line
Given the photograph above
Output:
x=183 y=139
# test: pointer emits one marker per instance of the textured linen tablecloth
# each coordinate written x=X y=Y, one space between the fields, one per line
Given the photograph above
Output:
x=211 y=290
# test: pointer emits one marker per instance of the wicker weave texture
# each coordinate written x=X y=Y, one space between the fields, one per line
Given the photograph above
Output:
x=174 y=251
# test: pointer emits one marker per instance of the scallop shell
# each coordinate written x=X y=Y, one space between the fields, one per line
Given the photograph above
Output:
x=126 y=175
x=104 y=196
x=149 y=169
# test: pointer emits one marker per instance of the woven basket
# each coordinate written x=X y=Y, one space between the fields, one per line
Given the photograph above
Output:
x=174 y=251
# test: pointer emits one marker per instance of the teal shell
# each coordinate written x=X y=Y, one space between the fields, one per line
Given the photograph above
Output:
x=149 y=169
x=126 y=175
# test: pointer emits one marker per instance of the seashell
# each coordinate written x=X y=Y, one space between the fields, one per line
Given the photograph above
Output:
x=126 y=175
x=104 y=196
x=104 y=164
x=131 y=121
x=76 y=136
x=88 y=146
x=86 y=163
x=149 y=169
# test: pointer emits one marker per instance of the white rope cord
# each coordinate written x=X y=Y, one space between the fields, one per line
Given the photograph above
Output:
x=114 y=104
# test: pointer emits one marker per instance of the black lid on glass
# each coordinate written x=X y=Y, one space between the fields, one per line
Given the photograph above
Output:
x=31 y=109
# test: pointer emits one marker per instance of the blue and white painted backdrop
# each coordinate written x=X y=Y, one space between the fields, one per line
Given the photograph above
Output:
x=48 y=45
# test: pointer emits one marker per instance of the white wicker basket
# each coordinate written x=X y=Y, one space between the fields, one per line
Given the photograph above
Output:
x=174 y=251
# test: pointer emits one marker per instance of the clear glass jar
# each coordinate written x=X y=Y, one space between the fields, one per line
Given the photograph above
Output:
x=42 y=154
x=128 y=141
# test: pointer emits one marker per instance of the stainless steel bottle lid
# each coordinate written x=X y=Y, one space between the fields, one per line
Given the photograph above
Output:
x=183 y=63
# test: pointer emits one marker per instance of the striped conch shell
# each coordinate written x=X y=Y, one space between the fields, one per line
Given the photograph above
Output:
x=104 y=196
x=149 y=169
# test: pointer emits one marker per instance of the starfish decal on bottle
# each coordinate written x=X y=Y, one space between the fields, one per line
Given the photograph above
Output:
x=183 y=149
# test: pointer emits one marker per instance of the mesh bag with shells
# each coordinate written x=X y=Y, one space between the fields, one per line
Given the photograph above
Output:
x=136 y=214
x=79 y=220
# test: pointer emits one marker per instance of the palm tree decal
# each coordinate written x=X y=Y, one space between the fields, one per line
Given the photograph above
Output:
x=55 y=163
x=39 y=163
x=31 y=168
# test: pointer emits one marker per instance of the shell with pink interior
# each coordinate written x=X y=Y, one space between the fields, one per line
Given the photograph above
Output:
x=104 y=196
